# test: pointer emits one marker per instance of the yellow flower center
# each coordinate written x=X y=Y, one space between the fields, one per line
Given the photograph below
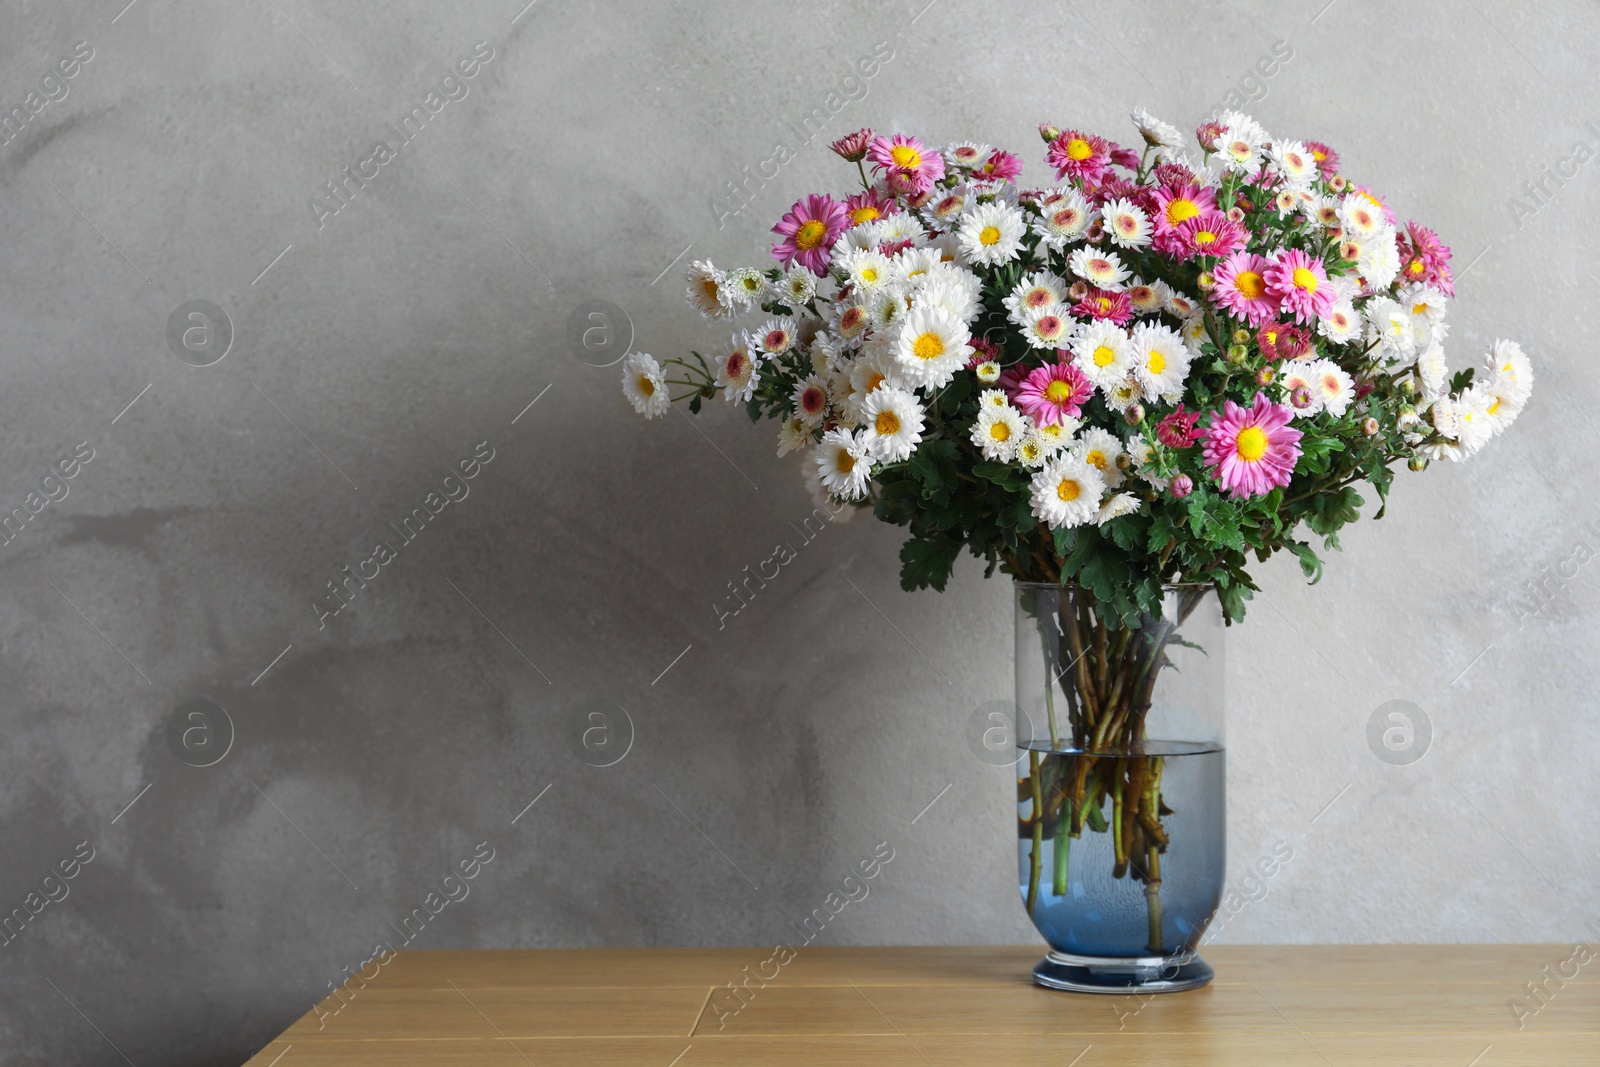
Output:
x=1250 y=284
x=1096 y=458
x=1494 y=409
x=1103 y=304
x=648 y=388
x=1179 y=210
x=1417 y=309
x=1000 y=431
x=1104 y=356
x=1204 y=237
x=1068 y=489
x=906 y=156
x=1156 y=363
x=865 y=213
x=887 y=423
x=844 y=462
x=989 y=235
x=1251 y=443
x=1416 y=266
x=1079 y=150
x=810 y=235
x=1272 y=337
x=929 y=346
x=1304 y=279
x=1058 y=392
x=869 y=274
x=709 y=287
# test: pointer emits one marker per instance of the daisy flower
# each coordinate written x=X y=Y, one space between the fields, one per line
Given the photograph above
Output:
x=1242 y=288
x=748 y=286
x=644 y=386
x=1295 y=162
x=1251 y=451
x=1327 y=159
x=797 y=287
x=886 y=310
x=1474 y=424
x=1147 y=299
x=736 y=370
x=943 y=212
x=1102 y=352
x=998 y=431
x=894 y=421
x=1126 y=223
x=1102 y=269
x=1000 y=166
x=1156 y=134
x=1503 y=404
x=1360 y=216
x=1299 y=282
x=1119 y=505
x=1049 y=394
x=809 y=230
x=1424 y=301
x=1031 y=451
x=844 y=466
x=1046 y=327
x=931 y=347
x=1424 y=258
x=991 y=234
x=850 y=321
x=987 y=372
x=708 y=290
x=1104 y=304
x=993 y=398
x=810 y=401
x=1034 y=292
x=1064 y=218
x=1334 y=386
x=1177 y=204
x=912 y=265
x=793 y=435
x=1100 y=449
x=775 y=337
x=1379 y=261
x=865 y=269
x=869 y=371
x=1067 y=492
x=950 y=294
x=1390 y=325
x=1300 y=389
x=1083 y=157
x=1341 y=324
x=869 y=206
x=1210 y=233
x=906 y=162
x=1433 y=373
x=1511 y=369
x=1057 y=436
x=1240 y=149
x=966 y=154
x=1160 y=360
x=1181 y=305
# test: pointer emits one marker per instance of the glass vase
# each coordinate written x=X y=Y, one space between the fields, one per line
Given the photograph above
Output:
x=1121 y=821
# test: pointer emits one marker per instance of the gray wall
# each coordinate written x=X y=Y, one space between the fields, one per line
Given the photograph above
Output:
x=380 y=749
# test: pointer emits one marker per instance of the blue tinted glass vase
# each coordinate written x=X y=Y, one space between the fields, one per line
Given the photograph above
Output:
x=1121 y=822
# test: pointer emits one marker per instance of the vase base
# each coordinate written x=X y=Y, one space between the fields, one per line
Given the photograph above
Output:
x=1122 y=975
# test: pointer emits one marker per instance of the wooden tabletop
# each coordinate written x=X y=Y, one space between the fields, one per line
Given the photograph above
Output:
x=1281 y=1005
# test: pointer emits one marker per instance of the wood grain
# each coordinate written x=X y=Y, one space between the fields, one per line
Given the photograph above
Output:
x=1279 y=1005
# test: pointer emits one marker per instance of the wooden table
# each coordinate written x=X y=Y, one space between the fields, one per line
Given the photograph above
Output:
x=1278 y=1006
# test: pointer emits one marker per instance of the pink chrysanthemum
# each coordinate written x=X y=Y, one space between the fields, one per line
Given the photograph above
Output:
x=1300 y=283
x=1327 y=159
x=1207 y=133
x=852 y=147
x=1077 y=155
x=869 y=206
x=1425 y=258
x=1126 y=158
x=1049 y=394
x=809 y=231
x=1114 y=307
x=1251 y=451
x=1242 y=288
x=1179 y=201
x=1210 y=233
x=906 y=162
x=1000 y=167
x=1176 y=174
x=1177 y=429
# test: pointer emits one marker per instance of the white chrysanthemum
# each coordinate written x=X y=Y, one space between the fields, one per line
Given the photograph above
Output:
x=1032 y=451
x=1341 y=325
x=1424 y=302
x=1047 y=327
x=1511 y=368
x=851 y=320
x=1239 y=148
x=892 y=229
x=942 y=212
x=1296 y=163
x=775 y=337
x=1126 y=223
x=793 y=435
x=1504 y=405
x=825 y=352
x=1474 y=424
x=797 y=287
x=913 y=265
x=842 y=396
x=1147 y=299
x=810 y=400
x=1248 y=127
x=1156 y=134
x=1433 y=373
x=1360 y=217
x=886 y=309
x=1142 y=452
x=1193 y=331
x=893 y=419
x=748 y=286
x=870 y=370
x=1057 y=435
x=948 y=246
x=1039 y=289
x=1064 y=217
x=1124 y=393
x=1099 y=267
x=1160 y=360
x=1333 y=384
x=948 y=289
x=737 y=368
x=1181 y=305
x=991 y=234
x=932 y=346
x=1067 y=492
x=987 y=372
x=843 y=464
x=998 y=431
x=993 y=398
x=1100 y=449
x=865 y=268
x=1442 y=413
x=644 y=386
x=1390 y=326
x=1103 y=353
x=1119 y=505
x=1379 y=261
x=1300 y=389
x=966 y=154
x=708 y=291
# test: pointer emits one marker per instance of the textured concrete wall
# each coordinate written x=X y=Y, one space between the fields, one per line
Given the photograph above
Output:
x=375 y=349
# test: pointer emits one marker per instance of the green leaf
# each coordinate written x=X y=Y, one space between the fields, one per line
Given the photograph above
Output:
x=925 y=562
x=1310 y=564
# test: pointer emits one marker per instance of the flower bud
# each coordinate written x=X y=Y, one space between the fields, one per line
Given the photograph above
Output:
x=1182 y=486
x=1133 y=414
x=1408 y=385
x=1124 y=461
x=1369 y=426
x=1207 y=281
x=1337 y=183
x=1078 y=290
x=1049 y=132
x=1241 y=337
x=1266 y=375
x=1300 y=398
x=1237 y=354
x=1349 y=250
x=1236 y=214
x=1418 y=463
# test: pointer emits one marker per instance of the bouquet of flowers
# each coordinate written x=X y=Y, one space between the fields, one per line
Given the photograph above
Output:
x=1143 y=375
x=1131 y=381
